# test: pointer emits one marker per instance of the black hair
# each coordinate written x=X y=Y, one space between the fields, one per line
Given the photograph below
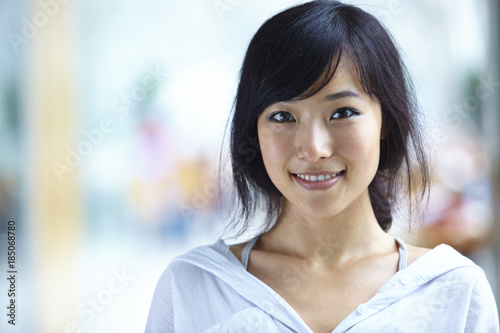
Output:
x=295 y=54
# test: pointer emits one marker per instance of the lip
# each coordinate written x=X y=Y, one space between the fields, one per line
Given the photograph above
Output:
x=321 y=184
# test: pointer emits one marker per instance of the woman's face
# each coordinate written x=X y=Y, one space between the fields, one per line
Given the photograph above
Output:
x=322 y=152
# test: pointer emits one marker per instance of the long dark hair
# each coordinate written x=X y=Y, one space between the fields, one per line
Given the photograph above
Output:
x=288 y=58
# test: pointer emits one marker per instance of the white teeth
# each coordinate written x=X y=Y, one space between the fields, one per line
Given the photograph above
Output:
x=319 y=178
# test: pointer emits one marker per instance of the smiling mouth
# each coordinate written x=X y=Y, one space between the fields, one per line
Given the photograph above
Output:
x=319 y=177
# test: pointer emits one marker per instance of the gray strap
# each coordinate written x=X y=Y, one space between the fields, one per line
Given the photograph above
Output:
x=403 y=254
x=245 y=254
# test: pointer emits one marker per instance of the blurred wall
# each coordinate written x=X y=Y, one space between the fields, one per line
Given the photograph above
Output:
x=112 y=117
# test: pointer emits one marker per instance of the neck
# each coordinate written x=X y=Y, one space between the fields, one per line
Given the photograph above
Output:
x=350 y=235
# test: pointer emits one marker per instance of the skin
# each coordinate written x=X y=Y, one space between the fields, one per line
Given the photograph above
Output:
x=327 y=253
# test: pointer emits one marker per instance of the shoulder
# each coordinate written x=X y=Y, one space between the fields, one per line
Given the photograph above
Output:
x=199 y=260
x=444 y=274
x=452 y=285
x=465 y=285
x=193 y=282
x=444 y=263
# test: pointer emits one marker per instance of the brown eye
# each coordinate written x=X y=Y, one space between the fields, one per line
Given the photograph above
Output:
x=281 y=117
x=344 y=113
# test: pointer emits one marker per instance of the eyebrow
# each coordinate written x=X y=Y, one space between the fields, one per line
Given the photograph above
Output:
x=342 y=94
x=333 y=97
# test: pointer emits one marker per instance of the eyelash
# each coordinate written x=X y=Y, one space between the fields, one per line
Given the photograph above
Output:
x=350 y=113
x=345 y=110
x=272 y=117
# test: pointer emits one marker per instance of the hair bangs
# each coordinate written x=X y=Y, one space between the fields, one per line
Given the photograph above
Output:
x=303 y=60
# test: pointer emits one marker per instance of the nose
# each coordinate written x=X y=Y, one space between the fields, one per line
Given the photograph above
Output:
x=314 y=141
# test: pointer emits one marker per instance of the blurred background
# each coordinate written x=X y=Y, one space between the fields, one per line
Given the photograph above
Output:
x=112 y=115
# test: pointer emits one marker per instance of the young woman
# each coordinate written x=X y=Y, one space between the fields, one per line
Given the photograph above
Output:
x=324 y=94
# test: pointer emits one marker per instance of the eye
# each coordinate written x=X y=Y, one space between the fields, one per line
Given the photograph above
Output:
x=281 y=117
x=344 y=113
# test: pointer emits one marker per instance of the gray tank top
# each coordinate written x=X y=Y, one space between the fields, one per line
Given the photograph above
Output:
x=403 y=253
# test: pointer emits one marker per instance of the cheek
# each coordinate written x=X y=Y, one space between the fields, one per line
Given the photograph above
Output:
x=276 y=149
x=361 y=147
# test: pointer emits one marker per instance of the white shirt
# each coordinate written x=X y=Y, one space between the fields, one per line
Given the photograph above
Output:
x=209 y=290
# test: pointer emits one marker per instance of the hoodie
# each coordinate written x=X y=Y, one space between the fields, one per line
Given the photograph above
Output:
x=207 y=289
